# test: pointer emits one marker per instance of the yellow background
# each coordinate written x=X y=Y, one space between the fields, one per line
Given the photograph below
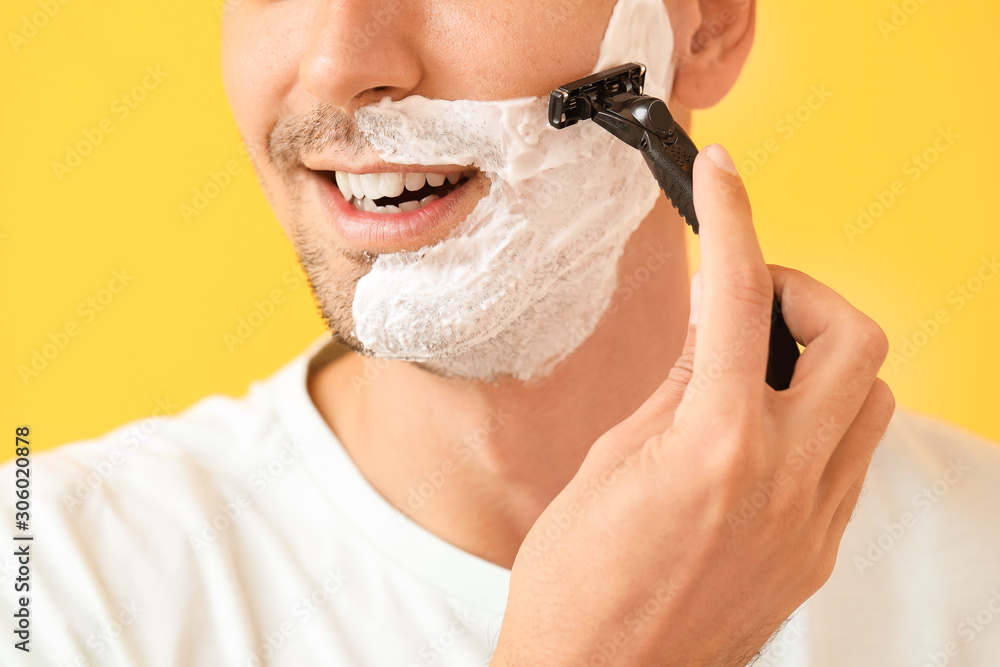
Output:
x=159 y=343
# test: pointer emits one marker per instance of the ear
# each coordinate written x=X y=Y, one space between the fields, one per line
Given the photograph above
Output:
x=712 y=39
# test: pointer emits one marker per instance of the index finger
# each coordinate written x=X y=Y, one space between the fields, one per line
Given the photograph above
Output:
x=735 y=316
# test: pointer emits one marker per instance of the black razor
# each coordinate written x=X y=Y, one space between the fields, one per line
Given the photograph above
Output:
x=613 y=99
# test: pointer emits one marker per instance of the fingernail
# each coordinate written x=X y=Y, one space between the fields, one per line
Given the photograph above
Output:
x=695 y=297
x=720 y=156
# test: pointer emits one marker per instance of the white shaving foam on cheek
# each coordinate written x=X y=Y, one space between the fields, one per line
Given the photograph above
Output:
x=525 y=278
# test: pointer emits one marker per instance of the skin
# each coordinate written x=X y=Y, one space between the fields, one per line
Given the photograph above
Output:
x=299 y=69
x=283 y=60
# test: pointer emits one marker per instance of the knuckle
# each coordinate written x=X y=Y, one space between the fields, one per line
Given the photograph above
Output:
x=683 y=369
x=732 y=467
x=787 y=274
x=791 y=511
x=814 y=545
x=826 y=562
x=883 y=403
x=873 y=342
x=751 y=283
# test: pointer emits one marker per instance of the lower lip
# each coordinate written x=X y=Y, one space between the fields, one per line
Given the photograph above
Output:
x=388 y=232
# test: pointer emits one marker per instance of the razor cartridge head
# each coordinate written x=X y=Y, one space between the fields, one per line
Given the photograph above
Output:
x=580 y=99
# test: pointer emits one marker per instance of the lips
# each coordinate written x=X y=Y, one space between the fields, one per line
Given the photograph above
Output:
x=394 y=211
x=396 y=192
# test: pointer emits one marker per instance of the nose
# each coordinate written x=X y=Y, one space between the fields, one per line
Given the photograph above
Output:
x=360 y=50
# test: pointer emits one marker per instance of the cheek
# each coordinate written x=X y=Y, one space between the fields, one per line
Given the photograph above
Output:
x=260 y=56
x=260 y=72
x=518 y=48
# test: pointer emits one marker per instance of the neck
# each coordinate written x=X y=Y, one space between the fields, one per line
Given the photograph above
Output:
x=476 y=463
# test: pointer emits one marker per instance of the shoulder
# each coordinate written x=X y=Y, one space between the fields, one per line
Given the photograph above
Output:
x=117 y=522
x=146 y=457
x=918 y=558
x=923 y=459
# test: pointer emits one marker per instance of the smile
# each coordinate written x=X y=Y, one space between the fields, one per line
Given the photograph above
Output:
x=390 y=211
x=396 y=192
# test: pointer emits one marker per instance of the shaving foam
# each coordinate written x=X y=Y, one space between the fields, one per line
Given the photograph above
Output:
x=525 y=278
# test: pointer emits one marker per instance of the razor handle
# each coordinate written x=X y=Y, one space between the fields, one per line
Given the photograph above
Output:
x=614 y=100
x=671 y=164
x=670 y=156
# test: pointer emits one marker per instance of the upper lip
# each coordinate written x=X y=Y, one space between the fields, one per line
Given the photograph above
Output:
x=318 y=163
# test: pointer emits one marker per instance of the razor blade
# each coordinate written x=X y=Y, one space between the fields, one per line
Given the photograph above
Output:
x=580 y=99
x=614 y=100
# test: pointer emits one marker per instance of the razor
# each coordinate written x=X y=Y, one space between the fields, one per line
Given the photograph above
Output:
x=613 y=99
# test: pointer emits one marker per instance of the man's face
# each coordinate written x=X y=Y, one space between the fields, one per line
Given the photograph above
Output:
x=296 y=70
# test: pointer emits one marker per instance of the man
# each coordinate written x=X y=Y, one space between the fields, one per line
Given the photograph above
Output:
x=635 y=495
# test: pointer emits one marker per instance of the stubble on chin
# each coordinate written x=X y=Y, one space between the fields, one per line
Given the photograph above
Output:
x=333 y=274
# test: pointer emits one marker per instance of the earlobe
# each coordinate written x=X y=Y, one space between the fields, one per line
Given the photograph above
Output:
x=710 y=51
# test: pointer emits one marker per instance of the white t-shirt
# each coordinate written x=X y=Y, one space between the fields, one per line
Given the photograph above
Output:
x=239 y=532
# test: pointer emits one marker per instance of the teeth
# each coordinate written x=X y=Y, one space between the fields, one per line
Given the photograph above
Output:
x=344 y=185
x=355 y=182
x=391 y=184
x=362 y=190
x=371 y=184
x=414 y=181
